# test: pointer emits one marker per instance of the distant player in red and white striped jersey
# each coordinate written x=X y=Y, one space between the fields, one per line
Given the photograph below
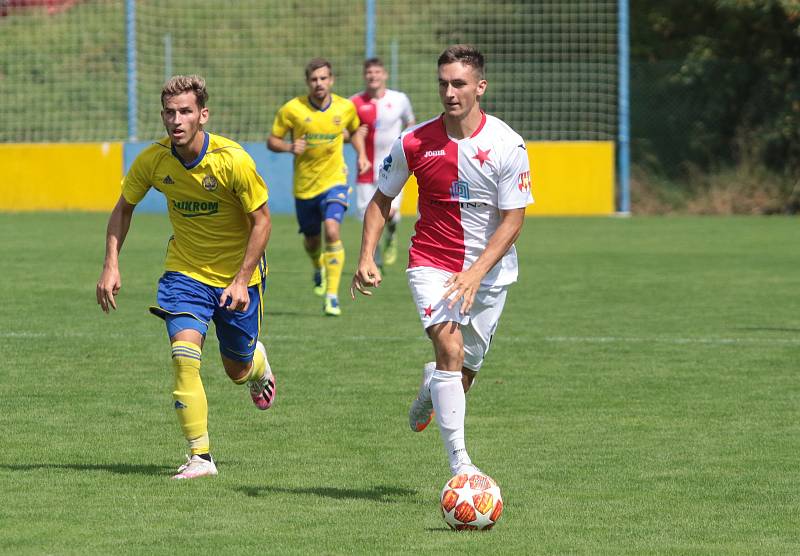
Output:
x=384 y=113
x=474 y=184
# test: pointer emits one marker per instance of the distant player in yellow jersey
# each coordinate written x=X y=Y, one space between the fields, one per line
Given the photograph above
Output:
x=215 y=265
x=316 y=124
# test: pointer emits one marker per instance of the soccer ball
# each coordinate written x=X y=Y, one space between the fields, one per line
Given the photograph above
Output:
x=471 y=501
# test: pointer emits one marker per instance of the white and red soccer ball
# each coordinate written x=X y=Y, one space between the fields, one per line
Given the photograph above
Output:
x=471 y=501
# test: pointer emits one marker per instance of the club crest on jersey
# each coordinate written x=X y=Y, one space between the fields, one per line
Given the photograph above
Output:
x=210 y=183
x=459 y=191
x=337 y=120
x=524 y=182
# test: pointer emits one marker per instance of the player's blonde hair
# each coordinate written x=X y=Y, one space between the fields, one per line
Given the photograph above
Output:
x=179 y=84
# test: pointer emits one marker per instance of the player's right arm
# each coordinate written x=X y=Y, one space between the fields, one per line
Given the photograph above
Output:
x=110 y=280
x=393 y=175
x=281 y=127
x=368 y=274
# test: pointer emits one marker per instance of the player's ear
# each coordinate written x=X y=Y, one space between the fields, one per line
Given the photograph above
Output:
x=482 y=85
x=203 y=115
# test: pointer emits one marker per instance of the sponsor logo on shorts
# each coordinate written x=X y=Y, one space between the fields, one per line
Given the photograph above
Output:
x=429 y=154
x=210 y=183
x=428 y=311
x=180 y=405
x=168 y=180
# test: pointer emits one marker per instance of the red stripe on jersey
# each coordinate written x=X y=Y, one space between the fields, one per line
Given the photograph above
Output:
x=439 y=235
x=368 y=114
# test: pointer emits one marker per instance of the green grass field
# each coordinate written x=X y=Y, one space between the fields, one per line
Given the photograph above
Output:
x=641 y=396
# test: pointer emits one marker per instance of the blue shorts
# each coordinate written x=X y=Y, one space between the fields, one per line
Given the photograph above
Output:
x=184 y=303
x=331 y=204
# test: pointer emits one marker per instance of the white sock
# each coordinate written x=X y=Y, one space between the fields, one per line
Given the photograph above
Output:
x=450 y=405
x=424 y=394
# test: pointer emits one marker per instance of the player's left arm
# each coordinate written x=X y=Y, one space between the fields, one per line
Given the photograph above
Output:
x=513 y=195
x=251 y=192
x=260 y=228
x=358 y=139
x=464 y=285
x=409 y=119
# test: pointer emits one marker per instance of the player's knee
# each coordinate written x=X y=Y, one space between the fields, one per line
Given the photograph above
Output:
x=237 y=370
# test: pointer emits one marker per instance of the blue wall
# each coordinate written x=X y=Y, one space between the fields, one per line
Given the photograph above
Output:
x=275 y=168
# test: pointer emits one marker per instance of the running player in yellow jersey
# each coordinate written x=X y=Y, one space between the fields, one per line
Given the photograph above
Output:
x=317 y=123
x=215 y=267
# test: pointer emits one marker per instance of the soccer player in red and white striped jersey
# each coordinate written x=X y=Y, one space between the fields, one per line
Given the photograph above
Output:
x=474 y=184
x=384 y=113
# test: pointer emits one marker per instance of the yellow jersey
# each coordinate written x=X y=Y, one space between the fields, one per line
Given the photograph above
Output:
x=321 y=166
x=208 y=201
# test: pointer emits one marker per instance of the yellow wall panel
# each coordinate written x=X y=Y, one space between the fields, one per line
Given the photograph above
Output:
x=569 y=178
x=58 y=176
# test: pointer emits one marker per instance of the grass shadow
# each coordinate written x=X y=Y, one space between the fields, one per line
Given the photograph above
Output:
x=378 y=493
x=767 y=329
x=117 y=468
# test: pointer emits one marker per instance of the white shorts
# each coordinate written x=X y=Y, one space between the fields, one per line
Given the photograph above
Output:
x=364 y=193
x=477 y=326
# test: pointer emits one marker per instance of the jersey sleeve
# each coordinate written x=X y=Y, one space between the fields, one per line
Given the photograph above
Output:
x=351 y=117
x=514 y=188
x=250 y=187
x=137 y=181
x=394 y=170
x=282 y=123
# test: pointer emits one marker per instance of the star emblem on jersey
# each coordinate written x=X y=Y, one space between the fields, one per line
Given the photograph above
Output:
x=428 y=311
x=210 y=183
x=482 y=156
x=168 y=180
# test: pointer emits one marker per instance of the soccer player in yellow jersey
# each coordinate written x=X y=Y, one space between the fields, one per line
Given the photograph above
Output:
x=215 y=264
x=317 y=123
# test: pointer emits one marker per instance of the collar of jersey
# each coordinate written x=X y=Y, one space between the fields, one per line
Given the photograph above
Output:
x=474 y=133
x=311 y=102
x=197 y=160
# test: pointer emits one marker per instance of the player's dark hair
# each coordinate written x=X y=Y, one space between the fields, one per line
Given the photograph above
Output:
x=369 y=62
x=315 y=64
x=466 y=54
x=179 y=84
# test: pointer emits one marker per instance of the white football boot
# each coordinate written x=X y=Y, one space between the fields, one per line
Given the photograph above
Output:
x=421 y=410
x=196 y=467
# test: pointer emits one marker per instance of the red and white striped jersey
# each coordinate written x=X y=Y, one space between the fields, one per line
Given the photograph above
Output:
x=463 y=186
x=385 y=117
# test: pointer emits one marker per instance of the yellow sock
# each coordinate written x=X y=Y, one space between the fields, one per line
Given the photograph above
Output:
x=334 y=263
x=256 y=370
x=191 y=405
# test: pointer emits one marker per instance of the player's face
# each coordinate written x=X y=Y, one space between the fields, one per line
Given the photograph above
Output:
x=183 y=118
x=460 y=88
x=320 y=83
x=375 y=77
